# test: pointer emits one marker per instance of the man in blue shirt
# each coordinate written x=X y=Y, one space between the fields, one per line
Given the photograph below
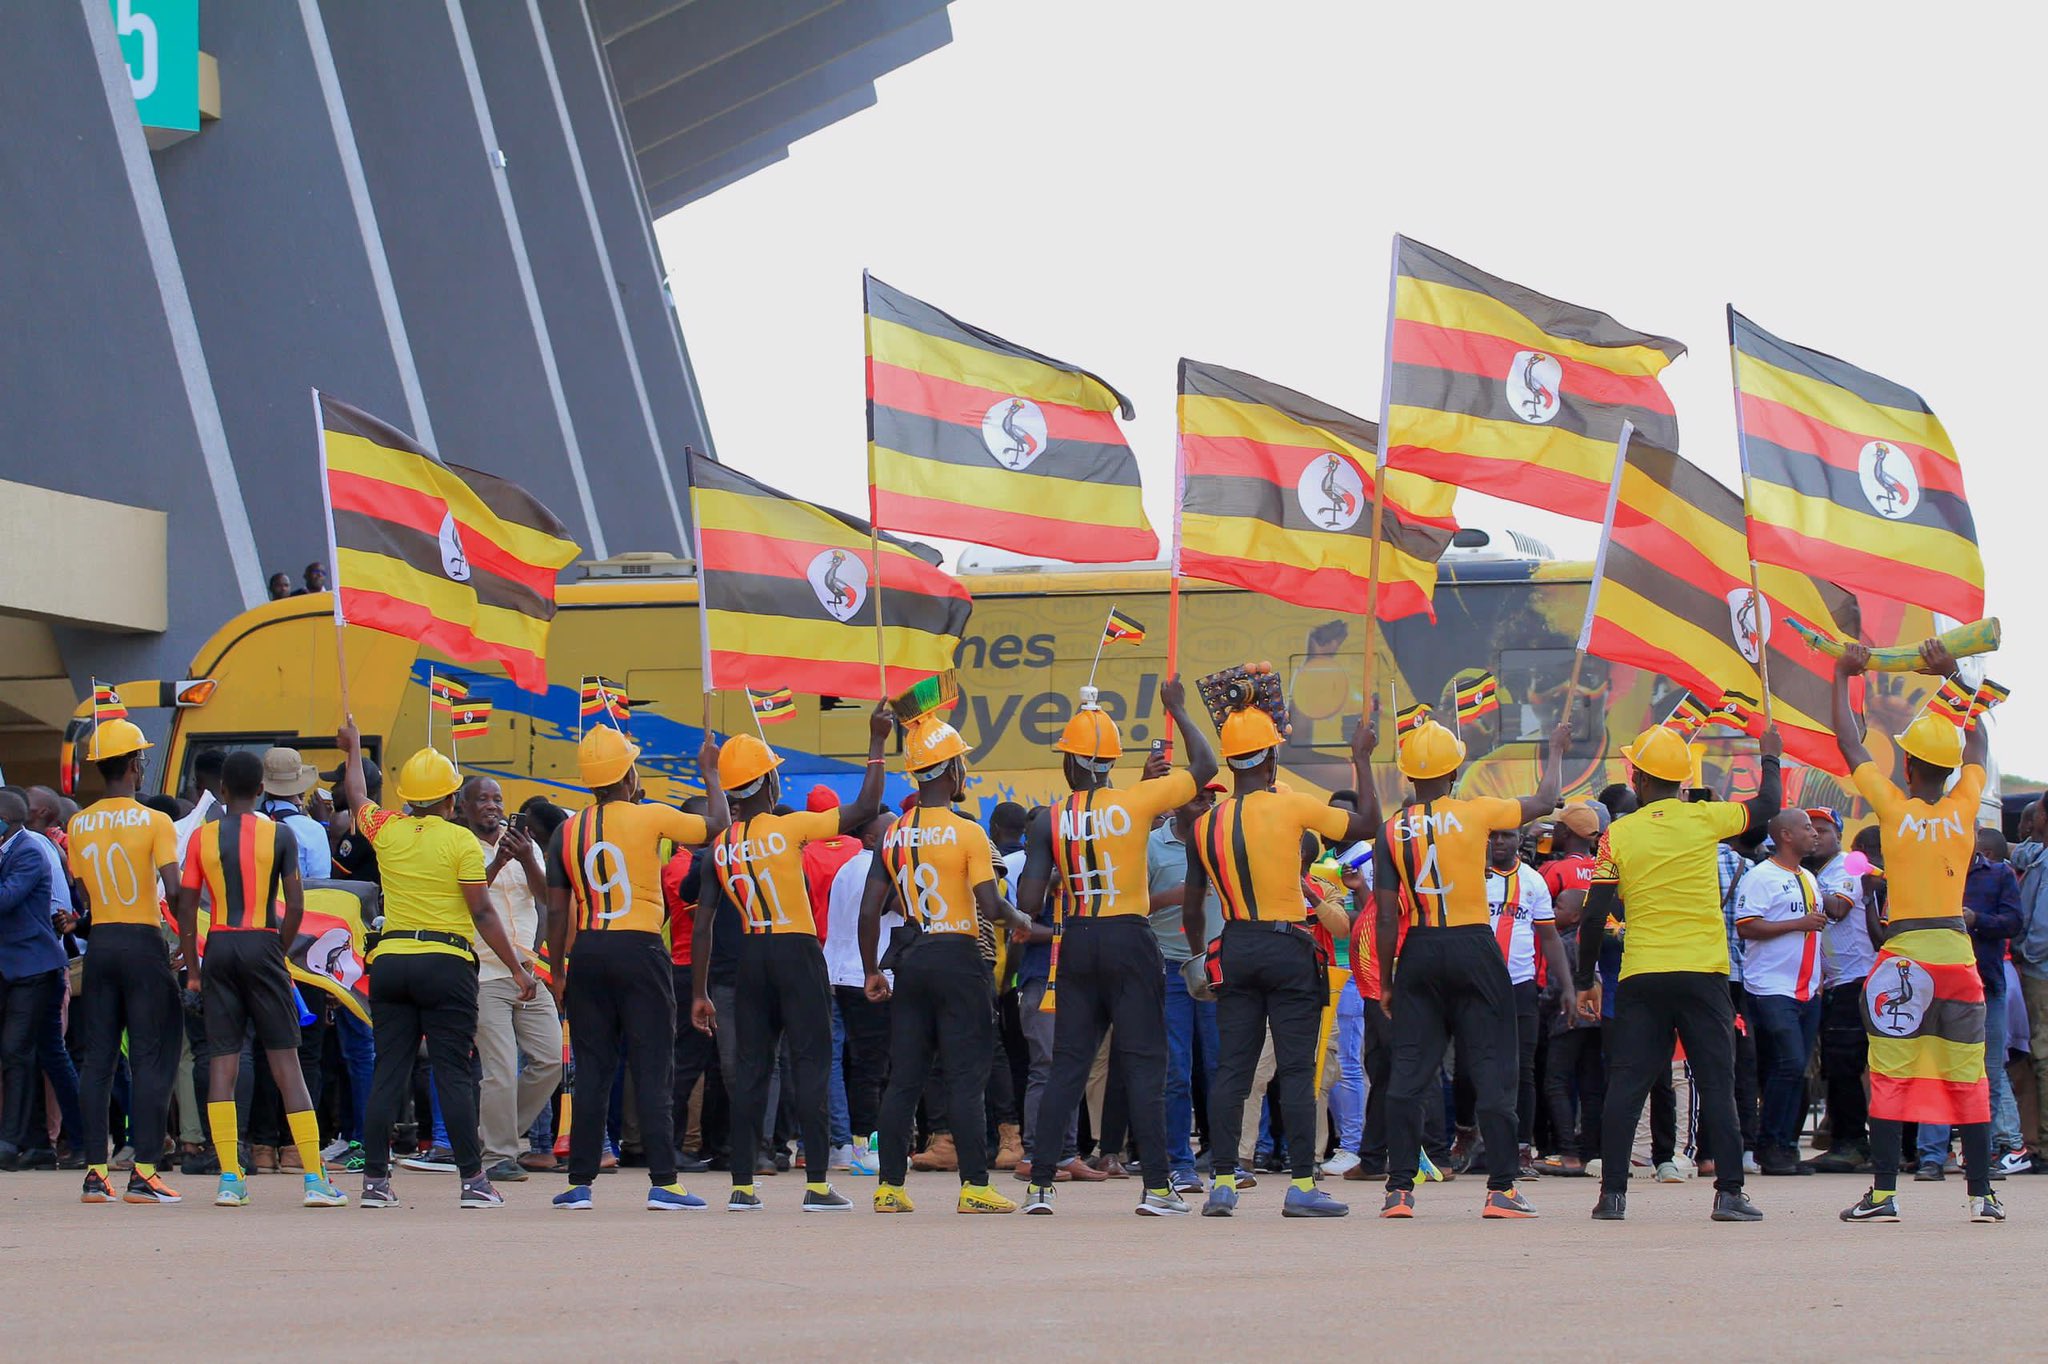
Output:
x=286 y=780
x=31 y=970
x=1187 y=1018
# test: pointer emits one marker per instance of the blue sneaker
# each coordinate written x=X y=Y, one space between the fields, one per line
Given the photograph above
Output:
x=865 y=1161
x=1186 y=1182
x=1222 y=1202
x=674 y=1198
x=1312 y=1203
x=234 y=1192
x=318 y=1194
x=575 y=1196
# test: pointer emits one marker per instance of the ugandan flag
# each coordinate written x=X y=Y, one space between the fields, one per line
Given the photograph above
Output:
x=1410 y=717
x=1675 y=600
x=446 y=693
x=1923 y=1016
x=455 y=559
x=471 y=720
x=1478 y=697
x=790 y=601
x=1953 y=701
x=1495 y=387
x=976 y=438
x=328 y=952
x=604 y=697
x=772 y=707
x=1122 y=629
x=1689 y=716
x=107 y=704
x=1988 y=695
x=1276 y=497
x=1738 y=711
x=1852 y=477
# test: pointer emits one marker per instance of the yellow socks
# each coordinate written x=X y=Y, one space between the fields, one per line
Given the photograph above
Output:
x=227 y=1141
x=306 y=1136
x=100 y=1170
x=747 y=1189
x=1226 y=1181
x=1305 y=1185
x=815 y=1186
x=145 y=1169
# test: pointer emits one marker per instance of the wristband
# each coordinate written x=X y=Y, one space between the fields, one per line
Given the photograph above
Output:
x=877 y=762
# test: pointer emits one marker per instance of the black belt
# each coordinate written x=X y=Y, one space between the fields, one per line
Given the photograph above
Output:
x=1898 y=926
x=1270 y=925
x=422 y=935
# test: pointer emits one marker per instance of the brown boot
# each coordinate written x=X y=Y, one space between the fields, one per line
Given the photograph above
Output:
x=262 y=1159
x=1009 y=1145
x=937 y=1155
x=288 y=1160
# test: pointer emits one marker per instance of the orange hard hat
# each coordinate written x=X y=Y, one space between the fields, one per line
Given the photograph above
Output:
x=744 y=760
x=115 y=739
x=1248 y=732
x=604 y=756
x=1091 y=734
x=1934 y=740
x=929 y=743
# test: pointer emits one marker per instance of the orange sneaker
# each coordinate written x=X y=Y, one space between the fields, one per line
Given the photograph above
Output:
x=151 y=1189
x=96 y=1190
x=1400 y=1203
x=1506 y=1203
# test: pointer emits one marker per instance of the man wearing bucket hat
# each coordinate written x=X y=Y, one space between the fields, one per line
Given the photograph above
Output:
x=124 y=853
x=1090 y=850
x=1448 y=975
x=422 y=962
x=1661 y=864
x=783 y=991
x=286 y=780
x=605 y=904
x=939 y=870
x=1249 y=849
x=1923 y=1003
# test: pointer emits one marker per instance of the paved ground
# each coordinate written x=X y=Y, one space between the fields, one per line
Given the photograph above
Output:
x=525 y=1283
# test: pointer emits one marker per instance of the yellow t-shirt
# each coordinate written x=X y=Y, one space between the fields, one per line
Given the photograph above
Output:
x=424 y=862
x=609 y=859
x=1927 y=848
x=1099 y=840
x=760 y=864
x=1438 y=854
x=1250 y=846
x=936 y=859
x=118 y=847
x=1664 y=860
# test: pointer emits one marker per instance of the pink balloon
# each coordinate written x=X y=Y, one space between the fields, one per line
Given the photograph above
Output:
x=1856 y=864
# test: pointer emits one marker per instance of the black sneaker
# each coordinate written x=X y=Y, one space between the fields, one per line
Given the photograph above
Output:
x=1612 y=1207
x=1783 y=1162
x=1871 y=1208
x=1840 y=1160
x=829 y=1201
x=1736 y=1207
x=741 y=1201
x=1930 y=1172
x=1987 y=1209
x=692 y=1164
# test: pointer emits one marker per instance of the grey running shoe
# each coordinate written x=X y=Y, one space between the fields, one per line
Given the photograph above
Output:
x=1987 y=1209
x=377 y=1194
x=1168 y=1204
x=1038 y=1201
x=478 y=1193
x=1871 y=1208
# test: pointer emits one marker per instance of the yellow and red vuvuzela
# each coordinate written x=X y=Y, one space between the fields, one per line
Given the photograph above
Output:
x=977 y=438
x=1497 y=388
x=459 y=560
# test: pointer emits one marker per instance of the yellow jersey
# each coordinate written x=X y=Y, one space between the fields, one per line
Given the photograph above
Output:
x=936 y=859
x=1927 y=847
x=609 y=858
x=424 y=861
x=1099 y=841
x=1437 y=852
x=1250 y=846
x=118 y=847
x=1665 y=861
x=760 y=865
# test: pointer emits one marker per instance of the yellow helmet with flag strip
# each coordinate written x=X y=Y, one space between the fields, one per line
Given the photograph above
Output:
x=1248 y=734
x=1091 y=734
x=604 y=756
x=115 y=739
x=744 y=760
x=1935 y=740
x=1661 y=752
x=428 y=778
x=1429 y=750
x=929 y=743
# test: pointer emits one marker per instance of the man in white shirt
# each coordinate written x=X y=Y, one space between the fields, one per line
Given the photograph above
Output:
x=860 y=1027
x=518 y=1042
x=1847 y=952
x=1519 y=907
x=1778 y=913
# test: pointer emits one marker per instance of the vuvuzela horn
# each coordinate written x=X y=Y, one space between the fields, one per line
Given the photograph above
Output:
x=1978 y=637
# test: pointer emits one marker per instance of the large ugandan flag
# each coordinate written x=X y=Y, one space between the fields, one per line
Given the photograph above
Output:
x=1675 y=599
x=1852 y=476
x=1497 y=388
x=976 y=438
x=1276 y=496
x=789 y=600
x=459 y=560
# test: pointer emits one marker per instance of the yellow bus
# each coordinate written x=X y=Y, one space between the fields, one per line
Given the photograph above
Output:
x=1029 y=649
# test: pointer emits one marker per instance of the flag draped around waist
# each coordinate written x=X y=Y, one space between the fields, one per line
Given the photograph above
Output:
x=1923 y=1011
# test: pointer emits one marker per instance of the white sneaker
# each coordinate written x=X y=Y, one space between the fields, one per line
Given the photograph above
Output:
x=1669 y=1173
x=1749 y=1165
x=2015 y=1163
x=842 y=1157
x=1341 y=1163
x=1593 y=1168
x=334 y=1150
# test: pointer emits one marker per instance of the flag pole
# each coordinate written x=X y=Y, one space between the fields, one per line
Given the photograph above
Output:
x=431 y=698
x=867 y=331
x=1756 y=594
x=1621 y=444
x=1180 y=488
x=334 y=561
x=1379 y=481
x=690 y=458
x=1099 y=642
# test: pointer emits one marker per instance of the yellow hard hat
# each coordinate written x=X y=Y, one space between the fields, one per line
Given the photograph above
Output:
x=1934 y=740
x=115 y=739
x=1429 y=750
x=1661 y=752
x=427 y=777
x=1091 y=734
x=604 y=756
x=929 y=741
x=744 y=760
x=1246 y=732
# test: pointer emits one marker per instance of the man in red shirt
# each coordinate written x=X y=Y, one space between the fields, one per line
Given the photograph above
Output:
x=823 y=857
x=696 y=1052
x=1572 y=1059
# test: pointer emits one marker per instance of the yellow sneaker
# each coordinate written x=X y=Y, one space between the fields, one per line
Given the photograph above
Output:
x=982 y=1198
x=890 y=1198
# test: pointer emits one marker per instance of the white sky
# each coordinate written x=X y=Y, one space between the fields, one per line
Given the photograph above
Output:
x=1120 y=183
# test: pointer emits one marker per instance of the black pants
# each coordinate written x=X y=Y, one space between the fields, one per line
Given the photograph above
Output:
x=866 y=1063
x=1111 y=976
x=1649 y=1010
x=430 y=995
x=26 y=1004
x=128 y=987
x=1748 y=1083
x=1886 y=1136
x=1452 y=983
x=1573 y=1063
x=1528 y=1032
x=782 y=994
x=1270 y=979
x=696 y=1058
x=1844 y=1056
x=1379 y=1066
x=944 y=1006
x=622 y=1007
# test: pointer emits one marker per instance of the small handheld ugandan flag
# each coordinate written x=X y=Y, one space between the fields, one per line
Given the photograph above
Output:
x=1988 y=695
x=1738 y=710
x=602 y=696
x=1410 y=718
x=1954 y=702
x=1122 y=629
x=1688 y=717
x=107 y=704
x=471 y=720
x=1478 y=697
x=772 y=707
x=447 y=693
